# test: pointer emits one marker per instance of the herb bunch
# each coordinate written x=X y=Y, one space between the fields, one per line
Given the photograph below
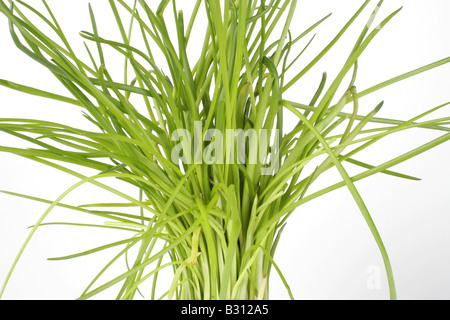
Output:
x=215 y=224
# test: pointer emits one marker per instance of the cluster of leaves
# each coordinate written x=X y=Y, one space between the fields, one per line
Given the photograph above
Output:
x=218 y=223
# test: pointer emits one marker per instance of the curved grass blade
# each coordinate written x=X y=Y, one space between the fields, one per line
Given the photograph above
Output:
x=365 y=212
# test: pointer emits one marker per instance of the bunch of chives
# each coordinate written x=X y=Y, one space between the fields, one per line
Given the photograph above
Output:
x=217 y=223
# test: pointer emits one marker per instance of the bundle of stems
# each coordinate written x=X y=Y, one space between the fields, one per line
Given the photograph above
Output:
x=215 y=223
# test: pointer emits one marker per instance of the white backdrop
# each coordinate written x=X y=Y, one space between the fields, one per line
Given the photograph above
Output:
x=327 y=251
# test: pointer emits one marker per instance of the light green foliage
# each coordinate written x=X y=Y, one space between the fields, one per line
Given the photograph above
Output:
x=217 y=225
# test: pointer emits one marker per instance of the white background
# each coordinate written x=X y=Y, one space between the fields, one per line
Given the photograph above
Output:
x=326 y=251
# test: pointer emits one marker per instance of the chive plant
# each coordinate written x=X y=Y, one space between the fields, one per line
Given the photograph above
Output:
x=214 y=221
